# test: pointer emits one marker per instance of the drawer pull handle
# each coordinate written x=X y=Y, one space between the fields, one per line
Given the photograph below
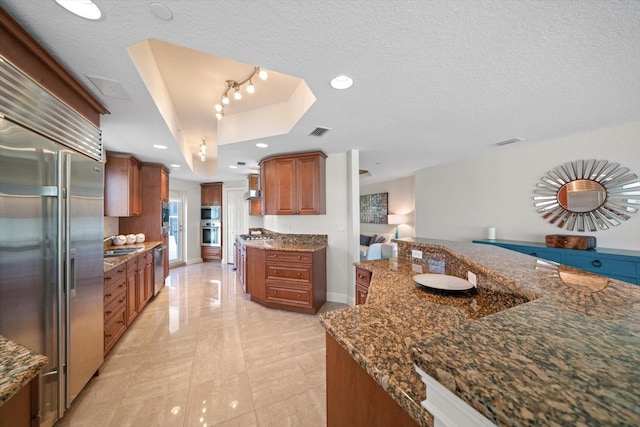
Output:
x=120 y=271
x=121 y=322
x=107 y=278
x=271 y=256
x=299 y=257
x=596 y=263
x=121 y=300
x=108 y=335
x=298 y=295
x=360 y=276
x=108 y=312
x=108 y=295
x=299 y=274
x=121 y=286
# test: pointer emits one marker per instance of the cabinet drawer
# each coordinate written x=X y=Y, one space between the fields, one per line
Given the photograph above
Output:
x=115 y=293
x=363 y=276
x=114 y=305
x=132 y=265
x=604 y=266
x=113 y=329
x=300 y=273
x=361 y=294
x=112 y=276
x=289 y=256
x=289 y=295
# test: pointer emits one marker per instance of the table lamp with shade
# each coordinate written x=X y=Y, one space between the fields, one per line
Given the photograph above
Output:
x=396 y=219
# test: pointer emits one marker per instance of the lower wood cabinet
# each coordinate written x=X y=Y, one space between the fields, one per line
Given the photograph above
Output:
x=363 y=280
x=127 y=289
x=23 y=409
x=354 y=398
x=211 y=253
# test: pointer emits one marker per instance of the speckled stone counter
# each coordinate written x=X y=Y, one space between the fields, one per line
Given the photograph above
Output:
x=529 y=348
x=113 y=262
x=18 y=366
x=273 y=245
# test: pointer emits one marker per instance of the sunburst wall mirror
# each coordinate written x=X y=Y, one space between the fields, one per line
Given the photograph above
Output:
x=587 y=195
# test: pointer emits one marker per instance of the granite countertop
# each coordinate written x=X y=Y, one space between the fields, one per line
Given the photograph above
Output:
x=527 y=349
x=18 y=366
x=113 y=262
x=273 y=245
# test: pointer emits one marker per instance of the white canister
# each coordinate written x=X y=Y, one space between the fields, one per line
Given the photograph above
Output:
x=140 y=238
x=119 y=240
x=491 y=233
x=131 y=239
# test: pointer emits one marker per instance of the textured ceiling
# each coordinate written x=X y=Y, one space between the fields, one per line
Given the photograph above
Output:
x=435 y=81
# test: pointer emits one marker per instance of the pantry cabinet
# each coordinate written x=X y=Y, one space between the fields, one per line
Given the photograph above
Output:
x=123 y=188
x=294 y=184
x=211 y=194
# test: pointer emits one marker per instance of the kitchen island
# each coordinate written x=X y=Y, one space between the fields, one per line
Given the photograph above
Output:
x=19 y=376
x=283 y=271
x=538 y=344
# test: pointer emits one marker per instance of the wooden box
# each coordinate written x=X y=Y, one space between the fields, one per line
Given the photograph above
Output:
x=570 y=242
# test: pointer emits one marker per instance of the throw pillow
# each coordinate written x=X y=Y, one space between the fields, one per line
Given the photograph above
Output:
x=380 y=239
x=364 y=240
x=373 y=239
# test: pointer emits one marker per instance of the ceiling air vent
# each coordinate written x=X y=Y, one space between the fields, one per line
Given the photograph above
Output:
x=319 y=131
x=508 y=141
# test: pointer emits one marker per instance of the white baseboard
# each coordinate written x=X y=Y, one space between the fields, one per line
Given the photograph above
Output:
x=341 y=298
x=194 y=261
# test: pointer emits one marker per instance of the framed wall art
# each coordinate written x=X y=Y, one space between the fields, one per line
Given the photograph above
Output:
x=374 y=208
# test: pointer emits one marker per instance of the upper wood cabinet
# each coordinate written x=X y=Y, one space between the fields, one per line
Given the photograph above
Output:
x=255 y=204
x=211 y=194
x=294 y=184
x=156 y=189
x=122 y=190
x=164 y=185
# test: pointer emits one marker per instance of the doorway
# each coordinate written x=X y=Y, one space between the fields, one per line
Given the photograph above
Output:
x=177 y=243
x=236 y=222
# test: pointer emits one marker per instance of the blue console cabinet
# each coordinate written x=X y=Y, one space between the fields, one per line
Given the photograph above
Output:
x=615 y=263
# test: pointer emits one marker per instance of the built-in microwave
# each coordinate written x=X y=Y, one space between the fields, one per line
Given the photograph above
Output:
x=211 y=213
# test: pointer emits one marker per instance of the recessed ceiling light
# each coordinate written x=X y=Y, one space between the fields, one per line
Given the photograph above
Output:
x=83 y=8
x=161 y=11
x=262 y=145
x=175 y=166
x=160 y=147
x=233 y=166
x=341 y=82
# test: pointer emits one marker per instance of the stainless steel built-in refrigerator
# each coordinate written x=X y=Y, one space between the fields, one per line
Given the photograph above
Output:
x=51 y=229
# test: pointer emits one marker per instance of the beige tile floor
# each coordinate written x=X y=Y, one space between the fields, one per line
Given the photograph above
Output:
x=202 y=355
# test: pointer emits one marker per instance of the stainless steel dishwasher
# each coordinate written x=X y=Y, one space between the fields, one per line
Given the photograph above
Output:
x=158 y=269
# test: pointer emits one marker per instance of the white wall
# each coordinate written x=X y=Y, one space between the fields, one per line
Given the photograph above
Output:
x=459 y=201
x=401 y=201
x=192 y=217
x=333 y=224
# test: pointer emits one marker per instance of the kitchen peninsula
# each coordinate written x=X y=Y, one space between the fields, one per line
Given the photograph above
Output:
x=538 y=344
x=285 y=271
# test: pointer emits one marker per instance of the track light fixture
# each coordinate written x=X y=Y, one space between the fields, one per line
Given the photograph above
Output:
x=236 y=86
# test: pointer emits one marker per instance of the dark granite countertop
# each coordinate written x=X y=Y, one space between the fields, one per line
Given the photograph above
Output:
x=113 y=262
x=527 y=349
x=18 y=366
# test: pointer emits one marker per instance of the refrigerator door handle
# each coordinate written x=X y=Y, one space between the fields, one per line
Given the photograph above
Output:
x=71 y=273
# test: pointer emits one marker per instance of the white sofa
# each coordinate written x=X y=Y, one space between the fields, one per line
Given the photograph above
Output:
x=377 y=250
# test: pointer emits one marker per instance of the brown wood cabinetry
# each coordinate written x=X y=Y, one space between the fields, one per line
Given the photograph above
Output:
x=289 y=280
x=255 y=204
x=115 y=305
x=354 y=398
x=132 y=290
x=210 y=253
x=127 y=289
x=23 y=409
x=122 y=190
x=211 y=194
x=294 y=184
x=154 y=180
x=363 y=280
